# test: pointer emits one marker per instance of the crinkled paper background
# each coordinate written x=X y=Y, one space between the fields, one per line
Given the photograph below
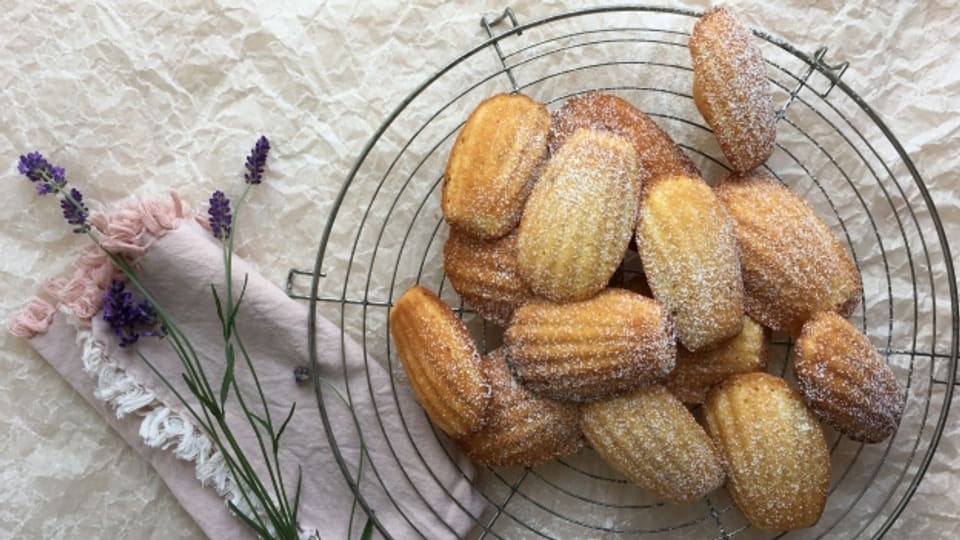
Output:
x=136 y=99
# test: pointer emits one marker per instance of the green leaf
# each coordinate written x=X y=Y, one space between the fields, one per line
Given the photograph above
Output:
x=283 y=426
x=264 y=423
x=219 y=305
x=228 y=374
x=236 y=307
x=205 y=401
x=296 y=495
x=367 y=533
x=191 y=385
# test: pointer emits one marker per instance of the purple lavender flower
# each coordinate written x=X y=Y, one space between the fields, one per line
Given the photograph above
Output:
x=128 y=319
x=256 y=161
x=50 y=177
x=74 y=211
x=219 y=213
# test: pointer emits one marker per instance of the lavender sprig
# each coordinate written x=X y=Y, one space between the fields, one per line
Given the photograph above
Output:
x=256 y=161
x=52 y=179
x=271 y=512
x=219 y=212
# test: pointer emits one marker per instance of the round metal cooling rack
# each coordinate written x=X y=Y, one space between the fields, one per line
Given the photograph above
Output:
x=386 y=233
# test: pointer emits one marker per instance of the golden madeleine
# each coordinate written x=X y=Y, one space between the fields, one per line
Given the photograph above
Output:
x=793 y=266
x=731 y=90
x=577 y=222
x=697 y=372
x=441 y=361
x=652 y=439
x=494 y=163
x=845 y=381
x=773 y=450
x=485 y=274
x=657 y=153
x=522 y=429
x=594 y=349
x=690 y=260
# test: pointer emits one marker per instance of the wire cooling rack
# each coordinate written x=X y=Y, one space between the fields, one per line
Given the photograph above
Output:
x=386 y=233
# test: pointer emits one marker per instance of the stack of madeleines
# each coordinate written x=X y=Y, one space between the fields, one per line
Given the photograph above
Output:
x=542 y=209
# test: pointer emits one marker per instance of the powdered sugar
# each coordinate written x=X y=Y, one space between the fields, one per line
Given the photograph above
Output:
x=486 y=275
x=494 y=164
x=595 y=349
x=697 y=372
x=657 y=153
x=578 y=220
x=441 y=361
x=522 y=428
x=845 y=381
x=651 y=438
x=793 y=266
x=731 y=88
x=690 y=258
x=773 y=449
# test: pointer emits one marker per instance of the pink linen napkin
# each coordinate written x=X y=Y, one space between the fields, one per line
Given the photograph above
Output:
x=178 y=259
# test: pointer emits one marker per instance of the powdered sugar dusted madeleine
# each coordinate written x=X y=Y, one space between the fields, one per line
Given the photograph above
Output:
x=697 y=372
x=576 y=225
x=522 y=428
x=773 y=449
x=485 y=274
x=845 y=381
x=689 y=254
x=493 y=164
x=441 y=361
x=650 y=437
x=793 y=266
x=656 y=151
x=731 y=90
x=613 y=343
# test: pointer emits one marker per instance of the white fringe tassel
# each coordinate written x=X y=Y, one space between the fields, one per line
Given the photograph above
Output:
x=161 y=427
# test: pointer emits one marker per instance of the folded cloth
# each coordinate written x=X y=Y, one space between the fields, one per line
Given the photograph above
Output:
x=414 y=491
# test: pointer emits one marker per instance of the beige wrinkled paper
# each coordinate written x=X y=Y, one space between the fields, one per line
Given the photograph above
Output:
x=138 y=99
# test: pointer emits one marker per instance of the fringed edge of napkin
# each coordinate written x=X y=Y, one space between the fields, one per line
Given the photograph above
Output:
x=160 y=427
x=129 y=232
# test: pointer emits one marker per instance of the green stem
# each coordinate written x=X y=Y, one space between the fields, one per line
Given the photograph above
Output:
x=228 y=331
x=263 y=449
x=250 y=476
x=282 y=492
x=208 y=427
x=228 y=254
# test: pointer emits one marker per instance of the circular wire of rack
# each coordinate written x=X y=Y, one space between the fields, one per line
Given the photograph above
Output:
x=385 y=236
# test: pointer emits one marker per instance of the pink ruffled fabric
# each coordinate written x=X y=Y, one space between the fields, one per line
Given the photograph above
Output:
x=34 y=320
x=129 y=232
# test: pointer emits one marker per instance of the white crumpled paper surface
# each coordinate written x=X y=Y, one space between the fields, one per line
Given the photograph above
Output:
x=138 y=99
